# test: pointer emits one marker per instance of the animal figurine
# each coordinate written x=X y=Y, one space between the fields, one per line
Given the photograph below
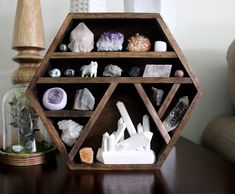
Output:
x=89 y=70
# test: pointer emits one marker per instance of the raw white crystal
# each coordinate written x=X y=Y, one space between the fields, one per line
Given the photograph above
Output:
x=152 y=70
x=70 y=131
x=84 y=100
x=112 y=71
x=81 y=39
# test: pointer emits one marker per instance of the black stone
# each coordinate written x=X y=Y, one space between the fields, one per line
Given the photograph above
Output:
x=134 y=72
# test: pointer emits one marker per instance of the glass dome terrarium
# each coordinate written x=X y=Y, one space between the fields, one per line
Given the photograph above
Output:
x=24 y=136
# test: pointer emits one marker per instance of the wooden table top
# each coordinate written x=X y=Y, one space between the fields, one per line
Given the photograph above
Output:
x=189 y=169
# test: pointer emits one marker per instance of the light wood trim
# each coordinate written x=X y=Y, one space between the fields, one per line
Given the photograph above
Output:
x=153 y=113
x=92 y=121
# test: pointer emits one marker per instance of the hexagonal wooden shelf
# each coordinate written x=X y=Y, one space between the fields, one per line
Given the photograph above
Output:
x=133 y=91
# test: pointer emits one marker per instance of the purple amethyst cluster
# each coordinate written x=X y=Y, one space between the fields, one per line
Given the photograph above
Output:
x=110 y=41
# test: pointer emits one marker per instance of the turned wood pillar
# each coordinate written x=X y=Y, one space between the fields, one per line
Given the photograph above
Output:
x=28 y=40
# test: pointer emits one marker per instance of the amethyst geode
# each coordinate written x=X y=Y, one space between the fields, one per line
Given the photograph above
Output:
x=110 y=41
x=54 y=99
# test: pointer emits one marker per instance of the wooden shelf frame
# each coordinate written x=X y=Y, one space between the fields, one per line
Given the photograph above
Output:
x=174 y=54
x=107 y=55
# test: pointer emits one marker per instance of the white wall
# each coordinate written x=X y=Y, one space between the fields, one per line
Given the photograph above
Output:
x=204 y=29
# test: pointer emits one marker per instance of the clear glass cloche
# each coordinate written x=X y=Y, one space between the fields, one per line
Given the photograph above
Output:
x=23 y=132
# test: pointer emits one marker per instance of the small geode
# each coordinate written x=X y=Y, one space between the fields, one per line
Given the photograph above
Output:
x=138 y=43
x=110 y=41
x=54 y=99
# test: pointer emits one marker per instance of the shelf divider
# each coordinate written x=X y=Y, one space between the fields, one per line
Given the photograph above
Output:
x=153 y=113
x=92 y=120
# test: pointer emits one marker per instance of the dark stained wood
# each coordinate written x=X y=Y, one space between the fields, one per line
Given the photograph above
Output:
x=108 y=90
x=188 y=168
x=168 y=100
x=73 y=55
x=68 y=113
x=73 y=80
x=153 y=113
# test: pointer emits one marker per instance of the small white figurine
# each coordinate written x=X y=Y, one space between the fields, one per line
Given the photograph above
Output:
x=89 y=70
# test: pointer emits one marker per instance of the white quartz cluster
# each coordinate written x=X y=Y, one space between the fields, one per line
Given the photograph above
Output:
x=133 y=150
x=70 y=131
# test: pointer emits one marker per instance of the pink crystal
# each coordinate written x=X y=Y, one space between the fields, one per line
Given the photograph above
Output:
x=81 y=39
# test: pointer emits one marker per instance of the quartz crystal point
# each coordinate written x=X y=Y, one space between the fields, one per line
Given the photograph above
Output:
x=176 y=114
x=110 y=41
x=70 y=131
x=81 y=39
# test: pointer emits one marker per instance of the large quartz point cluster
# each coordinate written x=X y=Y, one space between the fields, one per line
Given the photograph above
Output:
x=115 y=149
x=176 y=114
x=70 y=131
x=84 y=100
x=81 y=39
x=110 y=41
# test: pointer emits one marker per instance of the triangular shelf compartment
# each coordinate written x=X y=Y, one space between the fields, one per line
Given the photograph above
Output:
x=133 y=91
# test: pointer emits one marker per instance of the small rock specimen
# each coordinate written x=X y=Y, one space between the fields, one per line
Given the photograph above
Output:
x=179 y=73
x=160 y=46
x=134 y=72
x=70 y=131
x=55 y=72
x=86 y=155
x=69 y=73
x=17 y=148
x=157 y=70
x=84 y=100
x=177 y=113
x=157 y=95
x=112 y=71
x=63 y=47
x=138 y=43
x=110 y=41
x=81 y=39
x=89 y=70
x=54 y=99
